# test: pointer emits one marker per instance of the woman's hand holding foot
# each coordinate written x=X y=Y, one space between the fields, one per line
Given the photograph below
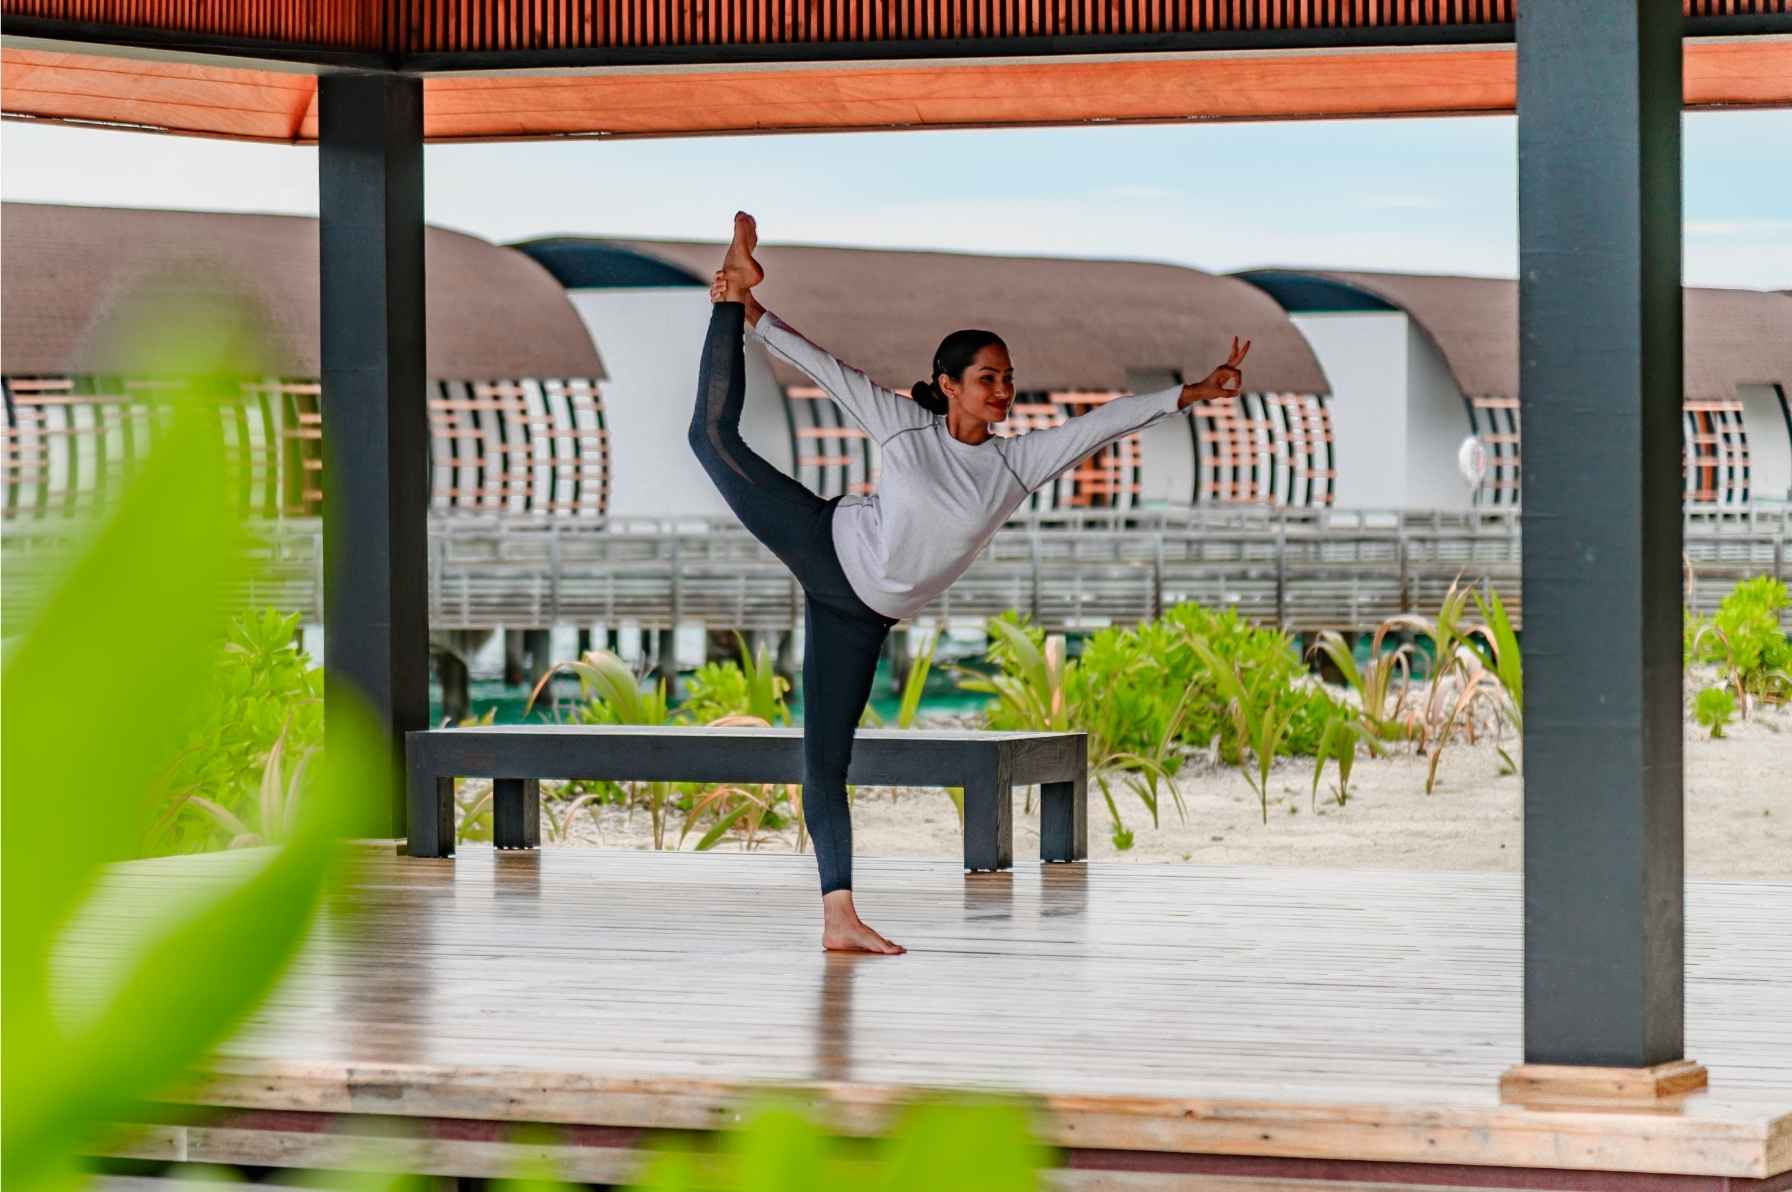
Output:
x=843 y=931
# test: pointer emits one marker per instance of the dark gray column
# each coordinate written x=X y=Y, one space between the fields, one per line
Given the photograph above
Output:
x=1599 y=96
x=376 y=615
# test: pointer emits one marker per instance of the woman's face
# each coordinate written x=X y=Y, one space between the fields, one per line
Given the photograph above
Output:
x=986 y=391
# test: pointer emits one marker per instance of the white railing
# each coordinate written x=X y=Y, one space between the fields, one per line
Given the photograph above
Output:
x=1302 y=569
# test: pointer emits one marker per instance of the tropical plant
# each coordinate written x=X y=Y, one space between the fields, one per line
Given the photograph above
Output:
x=915 y=682
x=1029 y=687
x=1143 y=772
x=611 y=694
x=1713 y=707
x=1381 y=684
x=1458 y=678
x=277 y=806
x=1260 y=723
x=263 y=692
x=155 y=570
x=1339 y=743
x=943 y=1144
x=1745 y=640
x=752 y=807
x=751 y=687
x=560 y=814
x=1501 y=641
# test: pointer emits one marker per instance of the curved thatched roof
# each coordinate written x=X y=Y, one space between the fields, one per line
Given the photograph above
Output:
x=492 y=313
x=1733 y=337
x=1070 y=323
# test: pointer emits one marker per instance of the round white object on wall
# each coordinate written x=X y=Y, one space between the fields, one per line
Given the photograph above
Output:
x=1471 y=460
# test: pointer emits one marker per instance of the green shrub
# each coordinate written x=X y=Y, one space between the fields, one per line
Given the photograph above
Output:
x=262 y=689
x=1713 y=708
x=1130 y=679
x=1745 y=640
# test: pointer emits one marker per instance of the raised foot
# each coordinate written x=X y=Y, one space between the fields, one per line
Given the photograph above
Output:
x=740 y=272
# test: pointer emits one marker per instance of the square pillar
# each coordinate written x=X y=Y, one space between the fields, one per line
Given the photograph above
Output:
x=375 y=423
x=1599 y=100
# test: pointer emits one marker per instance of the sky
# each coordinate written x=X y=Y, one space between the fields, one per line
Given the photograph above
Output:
x=1430 y=195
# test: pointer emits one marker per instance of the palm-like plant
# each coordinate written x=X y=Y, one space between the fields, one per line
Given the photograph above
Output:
x=1508 y=662
x=916 y=682
x=277 y=801
x=1381 y=684
x=1031 y=688
x=1143 y=772
x=1339 y=742
x=1259 y=720
x=613 y=695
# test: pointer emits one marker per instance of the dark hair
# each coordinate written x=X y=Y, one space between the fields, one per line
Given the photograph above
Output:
x=955 y=354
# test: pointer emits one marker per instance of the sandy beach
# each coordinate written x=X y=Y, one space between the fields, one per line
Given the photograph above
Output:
x=1738 y=813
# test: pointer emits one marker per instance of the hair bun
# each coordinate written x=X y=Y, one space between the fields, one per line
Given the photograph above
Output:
x=928 y=396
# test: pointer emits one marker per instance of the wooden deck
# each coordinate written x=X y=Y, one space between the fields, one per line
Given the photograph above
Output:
x=1238 y=1022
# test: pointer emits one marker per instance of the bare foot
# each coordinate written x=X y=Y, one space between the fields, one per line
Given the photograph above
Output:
x=740 y=271
x=843 y=931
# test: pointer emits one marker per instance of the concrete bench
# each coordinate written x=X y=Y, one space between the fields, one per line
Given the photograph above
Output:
x=987 y=765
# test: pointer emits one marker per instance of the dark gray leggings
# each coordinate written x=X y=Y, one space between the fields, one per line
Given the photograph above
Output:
x=843 y=635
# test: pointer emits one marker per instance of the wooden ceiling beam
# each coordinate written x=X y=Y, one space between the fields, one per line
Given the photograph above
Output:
x=277 y=106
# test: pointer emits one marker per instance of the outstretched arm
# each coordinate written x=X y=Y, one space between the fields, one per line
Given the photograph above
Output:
x=1039 y=455
x=882 y=412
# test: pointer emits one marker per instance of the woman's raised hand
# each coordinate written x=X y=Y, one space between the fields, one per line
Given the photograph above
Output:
x=1224 y=382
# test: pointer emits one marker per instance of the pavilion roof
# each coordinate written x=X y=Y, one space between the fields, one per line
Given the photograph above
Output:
x=491 y=313
x=1071 y=323
x=1733 y=337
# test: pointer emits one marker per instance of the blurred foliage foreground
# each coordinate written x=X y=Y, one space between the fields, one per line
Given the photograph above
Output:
x=159 y=570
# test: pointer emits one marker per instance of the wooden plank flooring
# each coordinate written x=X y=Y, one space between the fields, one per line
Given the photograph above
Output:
x=1356 y=1015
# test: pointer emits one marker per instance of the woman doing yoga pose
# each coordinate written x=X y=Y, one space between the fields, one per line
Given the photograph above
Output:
x=868 y=561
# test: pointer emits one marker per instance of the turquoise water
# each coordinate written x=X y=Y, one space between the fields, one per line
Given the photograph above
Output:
x=940 y=695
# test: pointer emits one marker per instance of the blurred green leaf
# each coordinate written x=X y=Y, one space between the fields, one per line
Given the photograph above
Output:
x=780 y=1150
x=962 y=1145
x=158 y=571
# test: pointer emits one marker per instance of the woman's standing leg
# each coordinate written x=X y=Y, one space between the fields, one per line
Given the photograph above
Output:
x=839 y=659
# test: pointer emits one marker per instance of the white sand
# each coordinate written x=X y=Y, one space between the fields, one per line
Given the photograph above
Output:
x=1738 y=813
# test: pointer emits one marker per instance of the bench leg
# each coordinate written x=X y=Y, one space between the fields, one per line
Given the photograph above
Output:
x=429 y=815
x=989 y=823
x=516 y=813
x=1064 y=820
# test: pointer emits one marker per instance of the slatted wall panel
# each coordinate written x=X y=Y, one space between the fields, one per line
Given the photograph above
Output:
x=448 y=26
x=1036 y=411
x=833 y=457
x=518 y=447
x=1494 y=420
x=515 y=447
x=1714 y=453
x=373 y=25
x=1267 y=449
x=469 y=25
x=1108 y=479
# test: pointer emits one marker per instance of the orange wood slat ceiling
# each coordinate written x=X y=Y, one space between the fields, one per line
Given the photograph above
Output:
x=401 y=27
x=274 y=106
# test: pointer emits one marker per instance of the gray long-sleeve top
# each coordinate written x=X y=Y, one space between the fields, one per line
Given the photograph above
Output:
x=938 y=499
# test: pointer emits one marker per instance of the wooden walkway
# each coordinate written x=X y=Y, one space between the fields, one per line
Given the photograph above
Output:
x=1347 y=1025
